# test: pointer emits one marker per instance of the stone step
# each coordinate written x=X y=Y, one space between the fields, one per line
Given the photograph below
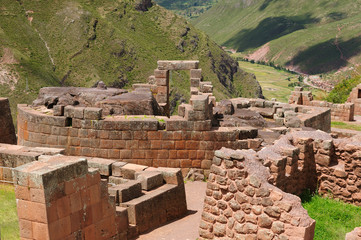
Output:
x=126 y=191
x=154 y=208
x=150 y=179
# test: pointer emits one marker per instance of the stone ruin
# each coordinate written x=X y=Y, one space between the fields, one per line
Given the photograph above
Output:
x=355 y=98
x=339 y=112
x=105 y=163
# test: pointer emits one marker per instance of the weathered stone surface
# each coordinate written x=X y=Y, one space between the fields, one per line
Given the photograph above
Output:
x=82 y=97
x=354 y=235
x=149 y=179
x=177 y=65
x=135 y=103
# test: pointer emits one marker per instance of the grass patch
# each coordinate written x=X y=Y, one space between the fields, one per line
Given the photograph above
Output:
x=333 y=218
x=275 y=83
x=344 y=125
x=8 y=215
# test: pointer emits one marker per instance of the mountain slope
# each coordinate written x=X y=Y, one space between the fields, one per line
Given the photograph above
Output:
x=80 y=42
x=187 y=8
x=311 y=36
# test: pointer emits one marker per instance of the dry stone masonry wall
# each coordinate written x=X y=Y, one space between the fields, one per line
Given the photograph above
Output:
x=241 y=204
x=339 y=112
x=62 y=197
x=151 y=141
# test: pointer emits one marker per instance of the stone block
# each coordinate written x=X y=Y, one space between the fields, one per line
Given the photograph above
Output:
x=116 y=168
x=126 y=191
x=128 y=171
x=195 y=82
x=74 y=112
x=104 y=165
x=162 y=81
x=149 y=179
x=192 y=115
x=161 y=73
x=196 y=73
x=117 y=180
x=199 y=102
x=58 y=110
x=206 y=88
x=181 y=109
x=91 y=113
x=172 y=175
x=194 y=91
x=177 y=65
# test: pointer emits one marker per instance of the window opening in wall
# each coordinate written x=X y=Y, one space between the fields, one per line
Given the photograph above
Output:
x=359 y=93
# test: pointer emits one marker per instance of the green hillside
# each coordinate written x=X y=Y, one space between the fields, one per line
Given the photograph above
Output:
x=80 y=42
x=310 y=36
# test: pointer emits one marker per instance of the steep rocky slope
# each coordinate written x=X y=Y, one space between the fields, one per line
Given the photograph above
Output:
x=81 y=42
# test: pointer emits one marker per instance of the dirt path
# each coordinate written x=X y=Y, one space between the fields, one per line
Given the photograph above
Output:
x=187 y=227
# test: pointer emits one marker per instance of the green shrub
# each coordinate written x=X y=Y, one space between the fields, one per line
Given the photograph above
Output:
x=342 y=90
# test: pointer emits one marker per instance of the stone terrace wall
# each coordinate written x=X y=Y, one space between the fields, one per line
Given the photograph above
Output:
x=158 y=142
x=339 y=112
x=60 y=199
x=307 y=160
x=241 y=204
x=7 y=130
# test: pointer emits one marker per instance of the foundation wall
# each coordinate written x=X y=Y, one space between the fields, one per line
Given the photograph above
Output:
x=7 y=130
x=157 y=142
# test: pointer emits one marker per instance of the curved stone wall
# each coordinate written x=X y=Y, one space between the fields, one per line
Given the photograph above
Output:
x=146 y=140
x=7 y=130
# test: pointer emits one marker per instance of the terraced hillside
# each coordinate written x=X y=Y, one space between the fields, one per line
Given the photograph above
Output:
x=187 y=8
x=80 y=42
x=310 y=36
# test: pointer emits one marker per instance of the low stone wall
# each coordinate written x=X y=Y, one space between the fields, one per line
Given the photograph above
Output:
x=146 y=140
x=60 y=197
x=7 y=130
x=241 y=204
x=339 y=112
x=310 y=160
x=289 y=115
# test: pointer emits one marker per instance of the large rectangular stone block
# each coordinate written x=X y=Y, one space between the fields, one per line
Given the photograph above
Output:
x=149 y=179
x=74 y=112
x=199 y=102
x=161 y=73
x=196 y=73
x=91 y=113
x=177 y=65
x=195 y=82
x=104 y=165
